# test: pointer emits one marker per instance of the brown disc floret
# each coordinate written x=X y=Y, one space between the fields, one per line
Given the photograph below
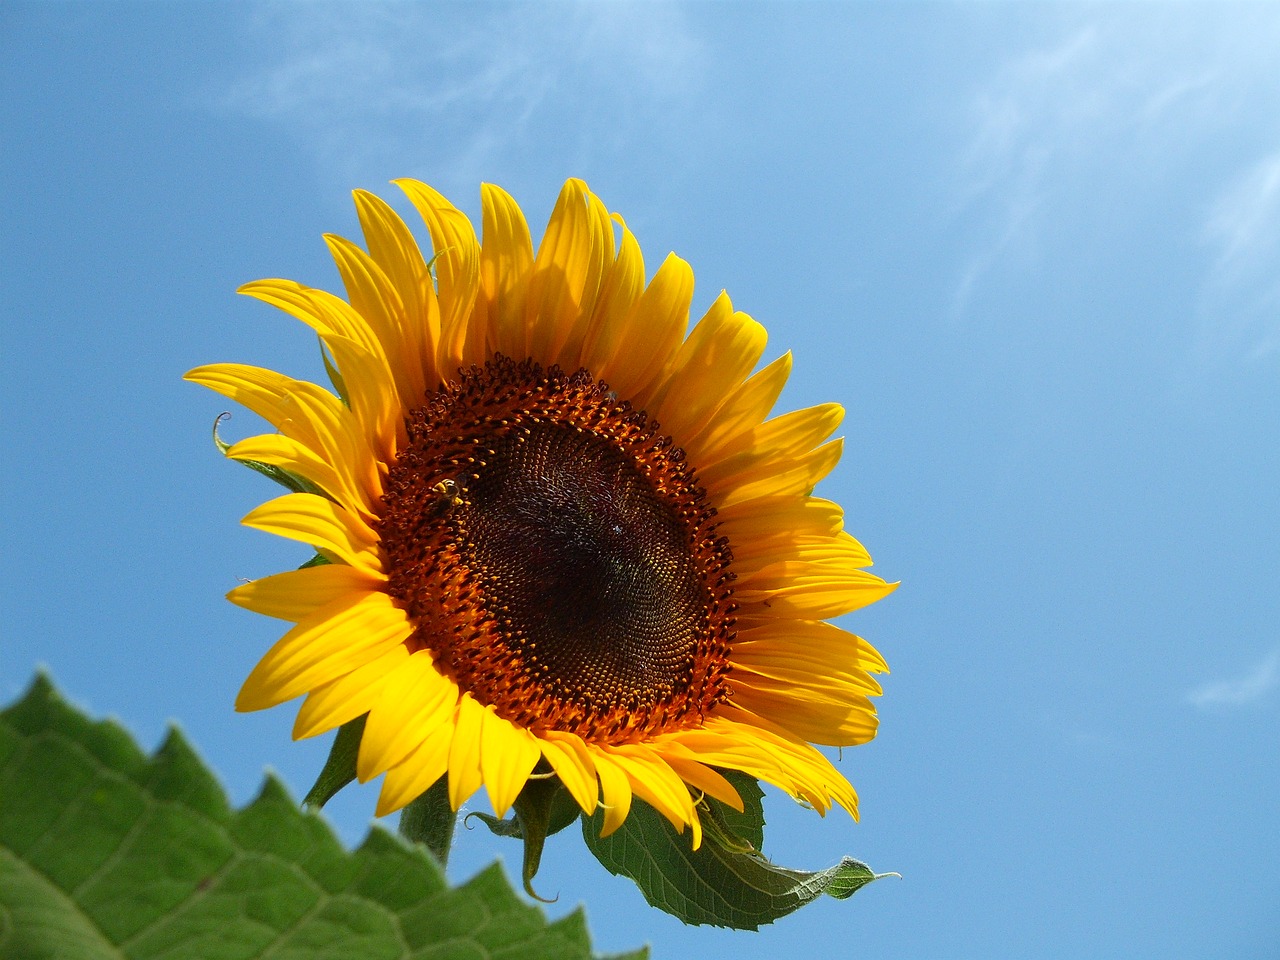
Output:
x=557 y=556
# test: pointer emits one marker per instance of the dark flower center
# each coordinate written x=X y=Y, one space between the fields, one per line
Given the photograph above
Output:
x=556 y=555
x=592 y=569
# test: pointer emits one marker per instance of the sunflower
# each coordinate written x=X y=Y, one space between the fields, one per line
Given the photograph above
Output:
x=555 y=535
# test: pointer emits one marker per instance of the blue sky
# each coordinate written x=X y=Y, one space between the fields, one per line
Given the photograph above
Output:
x=1034 y=250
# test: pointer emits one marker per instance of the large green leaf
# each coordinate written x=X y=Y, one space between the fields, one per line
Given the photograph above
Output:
x=106 y=853
x=726 y=881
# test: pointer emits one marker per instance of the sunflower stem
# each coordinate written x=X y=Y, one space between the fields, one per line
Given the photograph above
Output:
x=340 y=768
x=430 y=820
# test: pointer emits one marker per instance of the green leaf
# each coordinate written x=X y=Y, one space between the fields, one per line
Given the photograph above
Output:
x=740 y=831
x=724 y=882
x=107 y=853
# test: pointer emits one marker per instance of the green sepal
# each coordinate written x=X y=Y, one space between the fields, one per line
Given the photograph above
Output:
x=510 y=827
x=291 y=481
x=430 y=819
x=319 y=560
x=543 y=808
x=340 y=767
x=726 y=882
x=564 y=811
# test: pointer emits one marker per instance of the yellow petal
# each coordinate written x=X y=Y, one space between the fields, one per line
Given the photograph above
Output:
x=457 y=268
x=263 y=392
x=779 y=557
x=615 y=792
x=781 y=479
x=622 y=288
x=508 y=755
x=655 y=783
x=813 y=591
x=831 y=722
x=339 y=701
x=777 y=441
x=465 y=775
x=322 y=311
x=813 y=776
x=290 y=454
x=717 y=357
x=571 y=759
x=745 y=753
x=330 y=643
x=373 y=295
x=740 y=740
x=766 y=519
x=570 y=337
x=394 y=250
x=506 y=258
x=416 y=773
x=761 y=641
x=304 y=412
x=808 y=655
x=744 y=409
x=652 y=333
x=358 y=354
x=413 y=702
x=701 y=777
x=296 y=594
x=321 y=523
x=566 y=273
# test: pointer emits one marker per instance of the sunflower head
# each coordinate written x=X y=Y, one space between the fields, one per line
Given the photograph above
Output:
x=558 y=535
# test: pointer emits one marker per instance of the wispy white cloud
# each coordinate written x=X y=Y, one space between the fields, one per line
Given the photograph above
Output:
x=1245 y=221
x=1242 y=691
x=1035 y=107
x=456 y=88
x=1119 y=96
x=1020 y=113
x=1242 y=229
